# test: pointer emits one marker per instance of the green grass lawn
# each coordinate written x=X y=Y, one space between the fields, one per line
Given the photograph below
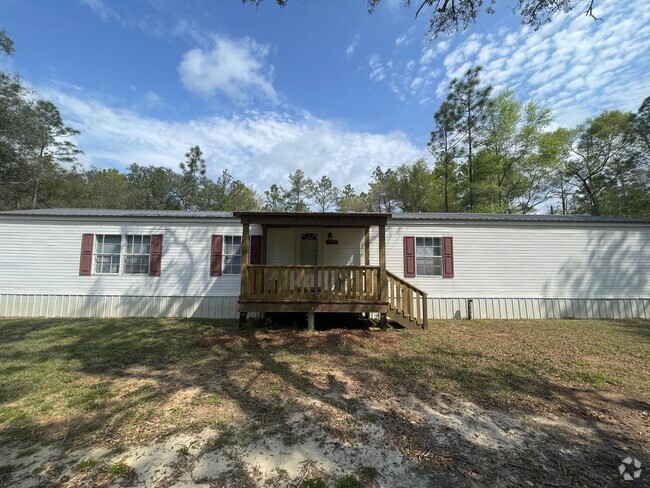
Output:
x=124 y=381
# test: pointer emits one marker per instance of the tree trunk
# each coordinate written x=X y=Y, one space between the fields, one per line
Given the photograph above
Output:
x=469 y=155
x=35 y=193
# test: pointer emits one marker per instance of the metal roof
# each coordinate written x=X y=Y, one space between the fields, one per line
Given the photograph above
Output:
x=517 y=218
x=100 y=212
x=434 y=217
x=320 y=219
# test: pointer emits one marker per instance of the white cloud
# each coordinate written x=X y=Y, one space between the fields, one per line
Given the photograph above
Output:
x=377 y=69
x=152 y=100
x=416 y=83
x=430 y=53
x=402 y=79
x=394 y=5
x=574 y=65
x=349 y=51
x=406 y=39
x=100 y=8
x=260 y=148
x=234 y=68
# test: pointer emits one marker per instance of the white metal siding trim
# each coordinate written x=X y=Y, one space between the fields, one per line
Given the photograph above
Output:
x=108 y=306
x=540 y=308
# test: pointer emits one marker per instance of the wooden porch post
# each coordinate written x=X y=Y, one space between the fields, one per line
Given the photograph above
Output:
x=367 y=245
x=264 y=241
x=244 y=270
x=383 y=278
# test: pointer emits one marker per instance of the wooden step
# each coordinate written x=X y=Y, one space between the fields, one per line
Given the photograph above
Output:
x=404 y=321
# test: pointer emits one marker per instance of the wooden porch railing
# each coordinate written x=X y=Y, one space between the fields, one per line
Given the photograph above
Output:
x=406 y=301
x=311 y=283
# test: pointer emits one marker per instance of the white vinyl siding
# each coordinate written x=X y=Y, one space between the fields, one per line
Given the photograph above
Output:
x=281 y=246
x=530 y=260
x=350 y=248
x=51 y=251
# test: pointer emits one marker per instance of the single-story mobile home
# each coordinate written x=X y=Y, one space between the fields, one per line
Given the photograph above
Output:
x=409 y=267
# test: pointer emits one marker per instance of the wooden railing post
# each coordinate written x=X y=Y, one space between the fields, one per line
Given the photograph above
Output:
x=425 y=311
x=244 y=261
x=383 y=279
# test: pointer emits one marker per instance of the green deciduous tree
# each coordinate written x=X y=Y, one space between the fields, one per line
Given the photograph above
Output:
x=34 y=143
x=153 y=187
x=50 y=146
x=227 y=193
x=603 y=155
x=350 y=201
x=274 y=199
x=6 y=44
x=414 y=188
x=382 y=191
x=103 y=188
x=514 y=173
x=641 y=128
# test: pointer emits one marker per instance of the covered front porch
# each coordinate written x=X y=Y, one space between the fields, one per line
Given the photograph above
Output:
x=322 y=262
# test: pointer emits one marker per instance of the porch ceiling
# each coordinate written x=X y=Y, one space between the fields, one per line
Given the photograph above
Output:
x=312 y=219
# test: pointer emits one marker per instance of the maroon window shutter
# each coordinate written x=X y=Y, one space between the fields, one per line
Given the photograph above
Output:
x=86 y=263
x=216 y=253
x=256 y=250
x=447 y=257
x=155 y=258
x=409 y=256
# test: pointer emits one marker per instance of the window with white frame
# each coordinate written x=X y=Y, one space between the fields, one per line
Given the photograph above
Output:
x=232 y=255
x=122 y=254
x=108 y=250
x=428 y=256
x=136 y=255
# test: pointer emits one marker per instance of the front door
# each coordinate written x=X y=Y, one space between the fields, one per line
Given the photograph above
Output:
x=309 y=248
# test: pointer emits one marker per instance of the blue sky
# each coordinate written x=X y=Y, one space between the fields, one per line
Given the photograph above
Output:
x=319 y=85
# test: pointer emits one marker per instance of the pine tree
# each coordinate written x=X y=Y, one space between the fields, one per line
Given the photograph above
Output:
x=470 y=101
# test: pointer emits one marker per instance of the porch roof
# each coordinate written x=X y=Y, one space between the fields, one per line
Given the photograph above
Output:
x=315 y=219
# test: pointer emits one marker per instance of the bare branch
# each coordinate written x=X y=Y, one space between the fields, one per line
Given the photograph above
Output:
x=422 y=6
x=590 y=11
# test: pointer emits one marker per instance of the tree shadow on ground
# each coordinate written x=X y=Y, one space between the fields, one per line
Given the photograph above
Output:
x=270 y=376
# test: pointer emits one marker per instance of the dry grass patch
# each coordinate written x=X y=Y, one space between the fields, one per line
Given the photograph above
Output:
x=119 y=383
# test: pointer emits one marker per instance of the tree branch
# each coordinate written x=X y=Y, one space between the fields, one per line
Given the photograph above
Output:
x=422 y=6
x=590 y=11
